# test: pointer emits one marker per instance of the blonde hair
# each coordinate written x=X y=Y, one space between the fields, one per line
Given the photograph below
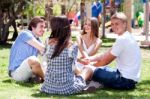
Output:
x=119 y=15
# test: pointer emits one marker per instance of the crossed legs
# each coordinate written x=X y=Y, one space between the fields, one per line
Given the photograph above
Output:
x=29 y=67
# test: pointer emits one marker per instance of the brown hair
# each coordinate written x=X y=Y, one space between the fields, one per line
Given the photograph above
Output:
x=60 y=27
x=94 y=27
x=35 y=21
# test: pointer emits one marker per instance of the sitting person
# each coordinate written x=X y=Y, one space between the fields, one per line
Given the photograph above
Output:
x=89 y=42
x=62 y=77
x=23 y=62
x=127 y=54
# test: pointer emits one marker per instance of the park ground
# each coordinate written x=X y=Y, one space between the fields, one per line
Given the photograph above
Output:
x=10 y=89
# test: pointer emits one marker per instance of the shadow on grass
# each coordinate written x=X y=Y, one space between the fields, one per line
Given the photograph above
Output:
x=42 y=95
x=107 y=42
x=4 y=46
x=144 y=85
x=45 y=95
x=145 y=82
x=24 y=84
x=146 y=47
x=106 y=45
x=104 y=93
x=8 y=81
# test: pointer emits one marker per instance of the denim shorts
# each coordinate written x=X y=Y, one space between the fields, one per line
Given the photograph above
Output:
x=112 y=78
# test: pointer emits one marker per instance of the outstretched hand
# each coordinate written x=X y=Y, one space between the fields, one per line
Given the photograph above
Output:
x=85 y=61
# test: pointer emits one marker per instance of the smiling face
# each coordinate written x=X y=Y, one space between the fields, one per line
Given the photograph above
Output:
x=87 y=26
x=118 y=26
x=39 y=29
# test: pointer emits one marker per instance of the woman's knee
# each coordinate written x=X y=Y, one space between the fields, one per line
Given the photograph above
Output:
x=87 y=73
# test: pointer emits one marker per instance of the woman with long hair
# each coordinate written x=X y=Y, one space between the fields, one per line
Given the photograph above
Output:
x=61 y=76
x=89 y=41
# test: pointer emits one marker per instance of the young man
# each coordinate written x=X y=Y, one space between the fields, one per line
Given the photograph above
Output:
x=127 y=54
x=23 y=62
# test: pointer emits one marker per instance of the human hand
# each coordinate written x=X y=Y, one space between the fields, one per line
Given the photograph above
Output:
x=41 y=52
x=85 y=61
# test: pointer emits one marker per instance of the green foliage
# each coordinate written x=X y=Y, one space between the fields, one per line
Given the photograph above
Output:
x=40 y=11
x=31 y=7
x=107 y=42
x=57 y=9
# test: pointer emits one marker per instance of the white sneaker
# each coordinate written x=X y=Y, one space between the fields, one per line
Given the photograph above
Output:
x=93 y=86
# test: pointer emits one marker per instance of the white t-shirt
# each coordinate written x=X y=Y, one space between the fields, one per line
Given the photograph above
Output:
x=128 y=56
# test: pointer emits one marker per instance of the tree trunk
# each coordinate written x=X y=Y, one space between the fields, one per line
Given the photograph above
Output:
x=10 y=20
x=104 y=20
x=15 y=34
x=127 y=11
x=1 y=23
x=63 y=7
x=48 y=13
x=88 y=8
x=146 y=20
x=5 y=31
x=82 y=11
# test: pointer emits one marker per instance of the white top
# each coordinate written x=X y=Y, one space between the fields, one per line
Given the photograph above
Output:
x=87 y=50
x=128 y=56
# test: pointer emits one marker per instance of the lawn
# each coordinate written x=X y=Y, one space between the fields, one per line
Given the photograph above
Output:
x=10 y=89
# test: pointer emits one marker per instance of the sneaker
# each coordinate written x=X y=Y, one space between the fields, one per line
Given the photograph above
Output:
x=36 y=80
x=92 y=86
x=89 y=89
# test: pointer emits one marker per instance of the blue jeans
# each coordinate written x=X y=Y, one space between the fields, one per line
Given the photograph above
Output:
x=112 y=78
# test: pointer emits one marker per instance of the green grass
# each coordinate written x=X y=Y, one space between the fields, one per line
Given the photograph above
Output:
x=10 y=89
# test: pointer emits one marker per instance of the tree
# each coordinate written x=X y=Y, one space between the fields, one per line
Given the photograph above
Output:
x=127 y=11
x=48 y=12
x=9 y=9
x=82 y=10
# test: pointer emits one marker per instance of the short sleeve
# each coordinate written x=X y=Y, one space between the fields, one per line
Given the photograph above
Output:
x=117 y=47
x=99 y=7
x=26 y=36
x=73 y=51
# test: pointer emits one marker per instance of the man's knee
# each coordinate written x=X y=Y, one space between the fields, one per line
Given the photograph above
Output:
x=33 y=61
x=34 y=64
x=97 y=74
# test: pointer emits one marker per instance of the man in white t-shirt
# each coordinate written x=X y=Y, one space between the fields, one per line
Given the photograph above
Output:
x=127 y=54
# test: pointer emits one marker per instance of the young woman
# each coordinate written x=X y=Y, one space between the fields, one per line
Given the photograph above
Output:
x=89 y=42
x=61 y=76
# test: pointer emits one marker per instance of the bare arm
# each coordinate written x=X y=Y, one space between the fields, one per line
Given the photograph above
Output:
x=103 y=60
x=96 y=48
x=82 y=51
x=36 y=44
